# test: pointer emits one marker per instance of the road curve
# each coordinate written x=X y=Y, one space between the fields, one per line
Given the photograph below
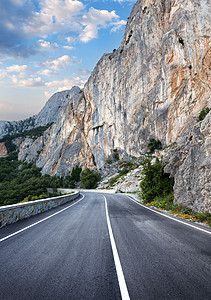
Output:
x=70 y=255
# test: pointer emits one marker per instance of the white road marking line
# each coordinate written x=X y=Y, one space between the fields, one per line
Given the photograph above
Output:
x=164 y=215
x=58 y=212
x=120 y=275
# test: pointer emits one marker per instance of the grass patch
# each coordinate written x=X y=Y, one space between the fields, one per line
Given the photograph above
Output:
x=42 y=196
x=166 y=203
x=128 y=164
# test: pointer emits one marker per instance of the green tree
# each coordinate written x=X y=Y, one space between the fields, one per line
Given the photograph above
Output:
x=75 y=174
x=68 y=182
x=89 y=178
x=155 y=182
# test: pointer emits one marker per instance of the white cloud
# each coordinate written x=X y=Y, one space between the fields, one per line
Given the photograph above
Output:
x=22 y=21
x=69 y=39
x=84 y=71
x=5 y=108
x=65 y=84
x=47 y=72
x=16 y=68
x=120 y=1
x=62 y=61
x=47 y=45
x=21 y=74
x=93 y=20
x=48 y=95
x=54 y=15
x=118 y=25
x=61 y=10
x=19 y=2
x=3 y=73
x=31 y=82
x=67 y=47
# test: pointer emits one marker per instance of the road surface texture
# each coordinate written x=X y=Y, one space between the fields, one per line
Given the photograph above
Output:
x=104 y=247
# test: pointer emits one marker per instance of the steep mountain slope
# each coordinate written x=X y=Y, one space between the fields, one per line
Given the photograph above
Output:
x=190 y=165
x=63 y=144
x=46 y=116
x=53 y=106
x=156 y=83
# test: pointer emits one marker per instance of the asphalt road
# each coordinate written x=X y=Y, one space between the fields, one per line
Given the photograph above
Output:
x=75 y=255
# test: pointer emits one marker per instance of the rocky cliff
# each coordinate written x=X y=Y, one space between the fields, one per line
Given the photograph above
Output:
x=3 y=150
x=156 y=83
x=63 y=145
x=190 y=165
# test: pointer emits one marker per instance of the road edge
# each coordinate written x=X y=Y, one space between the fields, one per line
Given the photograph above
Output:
x=206 y=230
x=36 y=223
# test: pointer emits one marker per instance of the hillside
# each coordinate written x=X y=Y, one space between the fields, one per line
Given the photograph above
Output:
x=46 y=116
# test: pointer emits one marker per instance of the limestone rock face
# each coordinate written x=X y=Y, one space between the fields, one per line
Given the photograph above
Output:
x=46 y=116
x=155 y=83
x=190 y=165
x=53 y=106
x=63 y=144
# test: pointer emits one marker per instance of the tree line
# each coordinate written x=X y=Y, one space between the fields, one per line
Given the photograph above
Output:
x=19 y=180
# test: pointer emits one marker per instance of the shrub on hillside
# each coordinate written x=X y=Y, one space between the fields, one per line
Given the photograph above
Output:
x=203 y=113
x=154 y=144
x=89 y=178
x=113 y=180
x=124 y=171
x=109 y=161
x=155 y=182
x=68 y=183
x=115 y=154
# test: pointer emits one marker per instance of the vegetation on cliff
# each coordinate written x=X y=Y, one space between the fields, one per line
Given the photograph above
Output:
x=203 y=113
x=32 y=133
x=157 y=191
x=154 y=145
x=155 y=182
x=22 y=181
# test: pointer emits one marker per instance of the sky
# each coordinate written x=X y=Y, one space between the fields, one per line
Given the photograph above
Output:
x=51 y=45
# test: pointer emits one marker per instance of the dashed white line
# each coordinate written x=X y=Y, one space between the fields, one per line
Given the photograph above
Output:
x=25 y=228
x=120 y=275
x=164 y=215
